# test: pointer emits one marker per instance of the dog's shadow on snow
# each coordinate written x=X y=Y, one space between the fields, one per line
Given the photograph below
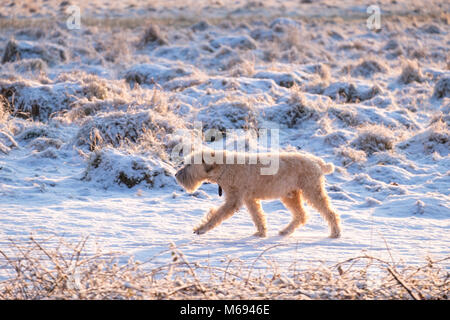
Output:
x=281 y=243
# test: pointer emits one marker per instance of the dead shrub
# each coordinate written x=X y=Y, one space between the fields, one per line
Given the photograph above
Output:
x=96 y=90
x=126 y=128
x=411 y=72
x=30 y=65
x=374 y=138
x=296 y=110
x=435 y=138
x=108 y=167
x=368 y=67
x=64 y=270
x=51 y=53
x=153 y=35
x=442 y=88
x=229 y=115
x=349 y=116
x=349 y=156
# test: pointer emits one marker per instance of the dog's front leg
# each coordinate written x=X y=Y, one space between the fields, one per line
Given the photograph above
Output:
x=255 y=210
x=216 y=216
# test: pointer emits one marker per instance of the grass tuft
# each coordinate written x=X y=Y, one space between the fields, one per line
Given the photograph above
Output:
x=57 y=269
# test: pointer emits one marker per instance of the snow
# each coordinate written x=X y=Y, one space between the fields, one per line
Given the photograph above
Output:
x=86 y=142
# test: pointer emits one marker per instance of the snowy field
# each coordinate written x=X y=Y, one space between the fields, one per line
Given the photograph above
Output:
x=89 y=119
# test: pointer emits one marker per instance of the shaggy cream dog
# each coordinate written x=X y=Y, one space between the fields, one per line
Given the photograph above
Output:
x=298 y=177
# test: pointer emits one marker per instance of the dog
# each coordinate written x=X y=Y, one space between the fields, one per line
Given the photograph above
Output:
x=299 y=177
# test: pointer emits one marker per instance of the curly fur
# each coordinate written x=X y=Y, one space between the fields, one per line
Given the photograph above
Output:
x=299 y=177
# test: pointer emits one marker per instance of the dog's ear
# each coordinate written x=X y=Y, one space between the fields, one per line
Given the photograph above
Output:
x=209 y=167
x=207 y=162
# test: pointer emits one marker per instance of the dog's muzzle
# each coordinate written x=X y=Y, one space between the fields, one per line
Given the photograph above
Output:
x=178 y=173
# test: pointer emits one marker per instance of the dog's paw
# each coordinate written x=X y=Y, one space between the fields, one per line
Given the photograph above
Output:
x=199 y=230
x=260 y=234
x=335 y=234
x=285 y=232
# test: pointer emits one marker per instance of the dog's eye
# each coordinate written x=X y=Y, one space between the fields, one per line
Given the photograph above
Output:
x=178 y=167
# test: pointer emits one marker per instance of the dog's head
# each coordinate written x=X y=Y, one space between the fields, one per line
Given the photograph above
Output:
x=197 y=168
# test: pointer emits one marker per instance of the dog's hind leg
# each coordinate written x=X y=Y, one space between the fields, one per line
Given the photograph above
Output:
x=255 y=210
x=318 y=198
x=299 y=216
x=216 y=216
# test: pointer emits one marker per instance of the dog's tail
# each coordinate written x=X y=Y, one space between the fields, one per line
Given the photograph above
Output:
x=327 y=168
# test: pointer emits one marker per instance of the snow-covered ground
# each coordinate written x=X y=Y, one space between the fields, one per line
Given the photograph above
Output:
x=90 y=117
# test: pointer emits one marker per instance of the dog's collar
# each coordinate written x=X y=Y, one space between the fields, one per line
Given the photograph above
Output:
x=220 y=177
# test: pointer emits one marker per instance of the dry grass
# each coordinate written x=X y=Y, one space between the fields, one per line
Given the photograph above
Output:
x=350 y=156
x=373 y=138
x=442 y=88
x=368 y=67
x=187 y=20
x=5 y=107
x=37 y=271
x=411 y=72
x=153 y=34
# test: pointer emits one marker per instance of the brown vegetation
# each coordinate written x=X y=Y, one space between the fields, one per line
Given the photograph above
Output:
x=37 y=271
